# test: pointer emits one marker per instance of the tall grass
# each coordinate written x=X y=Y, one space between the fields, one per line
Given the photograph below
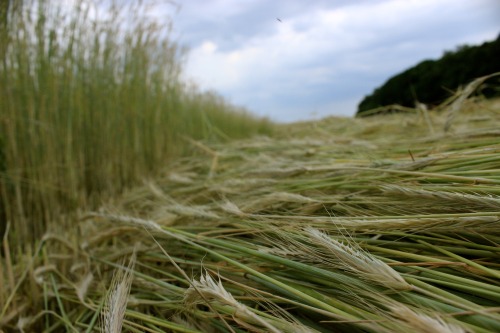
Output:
x=92 y=102
x=343 y=225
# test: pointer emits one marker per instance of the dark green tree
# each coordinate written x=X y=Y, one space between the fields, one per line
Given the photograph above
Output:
x=432 y=81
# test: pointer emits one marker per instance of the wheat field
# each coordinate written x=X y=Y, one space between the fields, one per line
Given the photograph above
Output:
x=378 y=224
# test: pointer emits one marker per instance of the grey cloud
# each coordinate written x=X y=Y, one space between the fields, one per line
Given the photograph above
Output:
x=331 y=68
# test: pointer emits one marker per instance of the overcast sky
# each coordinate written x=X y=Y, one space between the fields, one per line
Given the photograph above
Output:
x=323 y=56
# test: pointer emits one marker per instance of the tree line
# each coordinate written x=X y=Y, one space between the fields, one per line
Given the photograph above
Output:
x=432 y=81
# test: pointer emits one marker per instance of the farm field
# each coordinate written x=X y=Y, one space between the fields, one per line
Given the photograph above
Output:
x=131 y=200
x=378 y=224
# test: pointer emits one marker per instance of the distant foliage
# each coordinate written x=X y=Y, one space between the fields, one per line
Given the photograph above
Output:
x=432 y=81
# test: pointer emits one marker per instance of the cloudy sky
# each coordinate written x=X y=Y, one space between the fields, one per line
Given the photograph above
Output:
x=323 y=56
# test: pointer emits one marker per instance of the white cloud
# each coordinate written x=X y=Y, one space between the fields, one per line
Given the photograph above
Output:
x=324 y=50
x=208 y=47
